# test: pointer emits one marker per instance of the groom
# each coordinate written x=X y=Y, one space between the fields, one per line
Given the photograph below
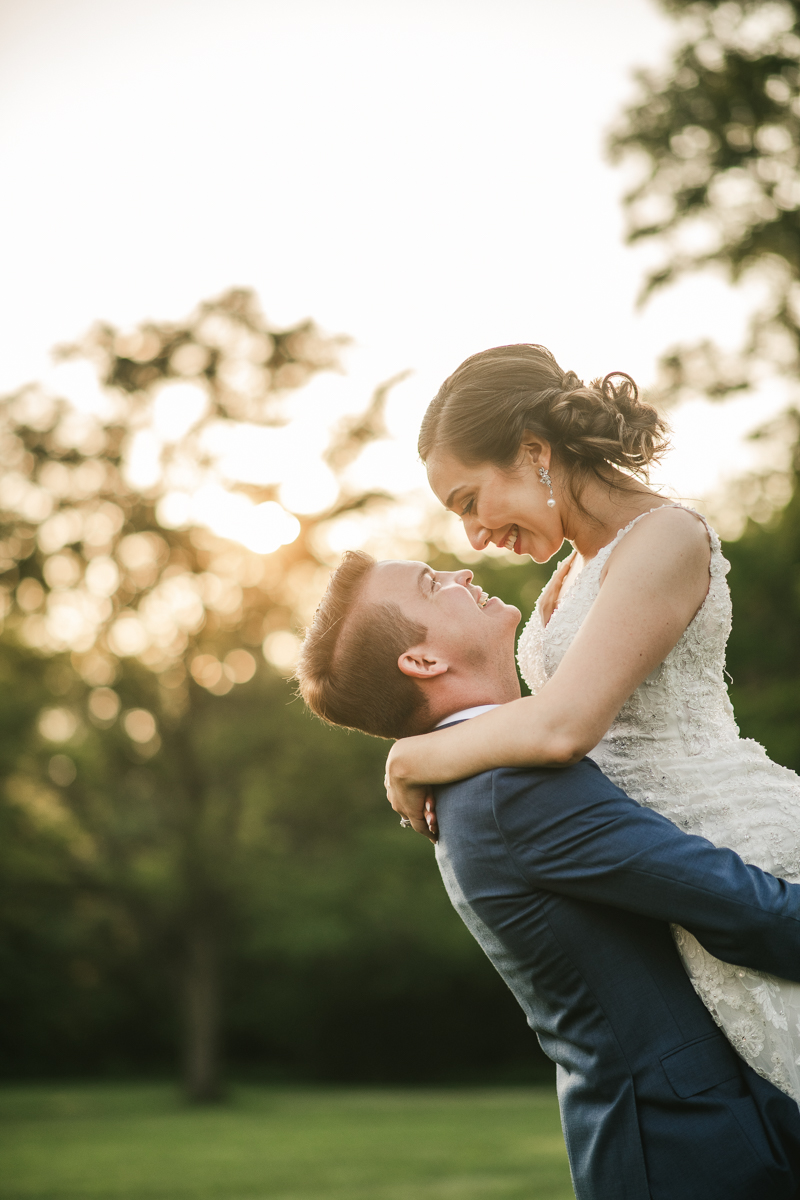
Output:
x=569 y=885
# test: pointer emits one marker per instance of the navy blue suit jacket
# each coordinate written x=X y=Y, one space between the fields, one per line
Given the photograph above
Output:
x=568 y=885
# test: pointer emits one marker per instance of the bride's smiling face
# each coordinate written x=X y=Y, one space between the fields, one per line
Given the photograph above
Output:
x=505 y=508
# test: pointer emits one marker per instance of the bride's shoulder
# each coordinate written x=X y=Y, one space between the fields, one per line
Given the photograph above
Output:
x=677 y=518
x=669 y=537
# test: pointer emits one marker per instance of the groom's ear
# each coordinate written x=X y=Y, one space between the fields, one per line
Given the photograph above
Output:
x=420 y=664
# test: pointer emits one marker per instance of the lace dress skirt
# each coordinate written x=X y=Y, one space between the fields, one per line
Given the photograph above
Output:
x=737 y=797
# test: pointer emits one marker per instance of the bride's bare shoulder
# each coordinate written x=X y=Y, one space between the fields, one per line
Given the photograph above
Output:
x=670 y=539
x=671 y=516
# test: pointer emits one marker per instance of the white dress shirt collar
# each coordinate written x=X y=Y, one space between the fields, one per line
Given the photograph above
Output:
x=465 y=714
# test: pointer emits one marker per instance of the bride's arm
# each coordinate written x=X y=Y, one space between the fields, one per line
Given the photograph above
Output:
x=656 y=580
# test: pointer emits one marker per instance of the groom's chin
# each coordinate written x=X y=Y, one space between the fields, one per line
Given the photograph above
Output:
x=512 y=614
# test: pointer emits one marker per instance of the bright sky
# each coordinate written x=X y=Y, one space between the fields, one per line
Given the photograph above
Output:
x=425 y=175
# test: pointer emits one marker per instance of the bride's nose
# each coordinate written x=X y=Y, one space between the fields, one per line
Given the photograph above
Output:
x=479 y=537
x=463 y=577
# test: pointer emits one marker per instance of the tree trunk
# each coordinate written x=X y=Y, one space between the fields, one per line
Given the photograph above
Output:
x=201 y=999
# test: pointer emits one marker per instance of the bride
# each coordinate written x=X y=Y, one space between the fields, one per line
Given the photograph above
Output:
x=625 y=650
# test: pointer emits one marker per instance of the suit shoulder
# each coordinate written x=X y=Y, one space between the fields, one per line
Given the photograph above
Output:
x=472 y=785
x=585 y=769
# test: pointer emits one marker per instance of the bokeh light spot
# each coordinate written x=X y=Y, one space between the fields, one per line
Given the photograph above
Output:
x=30 y=595
x=281 y=648
x=241 y=664
x=104 y=704
x=128 y=636
x=140 y=725
x=61 y=770
x=57 y=724
x=62 y=571
x=176 y=408
x=311 y=490
x=102 y=576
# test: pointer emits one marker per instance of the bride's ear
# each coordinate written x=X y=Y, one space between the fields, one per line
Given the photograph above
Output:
x=535 y=451
x=419 y=665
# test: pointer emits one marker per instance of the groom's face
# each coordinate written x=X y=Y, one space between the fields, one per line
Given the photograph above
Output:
x=464 y=627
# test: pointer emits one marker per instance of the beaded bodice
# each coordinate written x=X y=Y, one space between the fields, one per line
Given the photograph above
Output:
x=683 y=706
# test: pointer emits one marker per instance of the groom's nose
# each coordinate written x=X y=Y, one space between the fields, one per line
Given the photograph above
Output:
x=463 y=577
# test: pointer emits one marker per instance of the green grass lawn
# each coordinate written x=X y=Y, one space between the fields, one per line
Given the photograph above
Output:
x=140 y=1142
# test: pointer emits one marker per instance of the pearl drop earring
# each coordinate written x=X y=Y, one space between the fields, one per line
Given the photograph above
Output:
x=544 y=475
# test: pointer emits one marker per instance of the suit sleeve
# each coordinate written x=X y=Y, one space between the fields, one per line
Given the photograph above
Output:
x=573 y=832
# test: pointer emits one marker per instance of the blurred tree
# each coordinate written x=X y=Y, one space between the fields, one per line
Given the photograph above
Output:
x=150 y=576
x=173 y=823
x=716 y=137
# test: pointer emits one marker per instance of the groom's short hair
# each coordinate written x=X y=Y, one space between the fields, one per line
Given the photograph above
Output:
x=347 y=671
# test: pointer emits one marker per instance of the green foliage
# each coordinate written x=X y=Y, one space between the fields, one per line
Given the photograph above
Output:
x=717 y=134
x=137 y=1143
x=764 y=648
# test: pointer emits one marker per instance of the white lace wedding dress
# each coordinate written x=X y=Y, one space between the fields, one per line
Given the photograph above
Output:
x=675 y=747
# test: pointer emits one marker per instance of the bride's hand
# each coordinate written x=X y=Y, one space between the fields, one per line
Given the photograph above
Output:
x=414 y=801
x=550 y=596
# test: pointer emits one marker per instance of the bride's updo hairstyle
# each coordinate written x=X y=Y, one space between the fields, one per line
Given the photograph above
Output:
x=484 y=409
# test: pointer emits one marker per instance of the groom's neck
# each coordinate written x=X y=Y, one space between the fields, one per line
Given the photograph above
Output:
x=490 y=692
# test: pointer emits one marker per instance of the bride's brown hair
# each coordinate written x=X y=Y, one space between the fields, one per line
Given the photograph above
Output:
x=483 y=410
